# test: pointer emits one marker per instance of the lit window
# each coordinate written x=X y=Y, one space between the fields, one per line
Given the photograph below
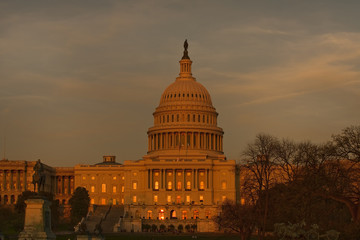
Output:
x=202 y=185
x=114 y=178
x=156 y=185
x=84 y=178
x=178 y=187
x=92 y=188
x=92 y=201
x=201 y=198
x=179 y=174
x=201 y=174
x=169 y=173
x=169 y=198
x=187 y=198
x=161 y=214
x=223 y=185
x=123 y=178
x=134 y=185
x=156 y=174
x=114 y=201
x=178 y=199
x=114 y=189
x=188 y=174
x=188 y=185
x=92 y=178
x=134 y=174
x=169 y=185
x=155 y=198
x=134 y=199
x=103 y=187
x=103 y=201
x=149 y=214
x=122 y=201
x=122 y=188
x=184 y=215
x=223 y=198
x=242 y=201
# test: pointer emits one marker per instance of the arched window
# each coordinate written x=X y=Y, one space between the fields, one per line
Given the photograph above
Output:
x=173 y=214
x=156 y=185
x=149 y=214
x=196 y=214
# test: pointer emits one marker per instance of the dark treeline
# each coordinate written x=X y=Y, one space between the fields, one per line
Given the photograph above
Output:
x=283 y=181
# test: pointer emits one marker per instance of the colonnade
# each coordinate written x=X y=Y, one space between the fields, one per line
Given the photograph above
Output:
x=185 y=140
x=64 y=185
x=13 y=180
x=200 y=179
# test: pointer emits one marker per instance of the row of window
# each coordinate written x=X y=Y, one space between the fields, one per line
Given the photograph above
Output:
x=103 y=188
x=93 y=178
x=173 y=215
x=178 y=96
x=209 y=119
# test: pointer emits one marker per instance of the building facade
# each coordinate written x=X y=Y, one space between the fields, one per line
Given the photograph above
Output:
x=183 y=178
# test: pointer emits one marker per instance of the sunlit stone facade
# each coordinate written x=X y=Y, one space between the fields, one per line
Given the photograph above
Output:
x=183 y=178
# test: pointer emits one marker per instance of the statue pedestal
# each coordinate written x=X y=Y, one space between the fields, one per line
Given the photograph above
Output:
x=37 y=220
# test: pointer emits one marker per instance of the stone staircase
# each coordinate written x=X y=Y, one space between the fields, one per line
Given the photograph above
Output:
x=112 y=218
x=96 y=216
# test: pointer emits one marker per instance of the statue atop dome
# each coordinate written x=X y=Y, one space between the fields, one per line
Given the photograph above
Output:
x=186 y=45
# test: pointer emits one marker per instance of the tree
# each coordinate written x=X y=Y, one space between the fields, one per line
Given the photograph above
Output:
x=348 y=143
x=260 y=163
x=79 y=203
x=238 y=218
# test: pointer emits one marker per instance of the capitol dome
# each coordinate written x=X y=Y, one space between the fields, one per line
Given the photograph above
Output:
x=185 y=122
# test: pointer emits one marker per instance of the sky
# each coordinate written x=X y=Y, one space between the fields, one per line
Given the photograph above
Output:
x=81 y=79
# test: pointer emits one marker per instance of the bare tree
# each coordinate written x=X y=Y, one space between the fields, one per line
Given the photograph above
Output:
x=260 y=164
x=348 y=143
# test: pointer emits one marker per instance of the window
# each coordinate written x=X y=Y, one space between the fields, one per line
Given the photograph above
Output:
x=114 y=201
x=242 y=201
x=202 y=185
x=156 y=185
x=122 y=201
x=172 y=214
x=92 y=201
x=134 y=199
x=184 y=215
x=201 y=198
x=114 y=178
x=187 y=198
x=134 y=185
x=196 y=214
x=84 y=178
x=178 y=199
x=188 y=185
x=188 y=174
x=155 y=198
x=179 y=174
x=223 y=198
x=201 y=174
x=207 y=214
x=103 y=187
x=92 y=189
x=122 y=188
x=178 y=186
x=114 y=189
x=169 y=185
x=161 y=214
x=223 y=185
x=169 y=198
x=156 y=174
x=103 y=201
x=149 y=214
x=92 y=178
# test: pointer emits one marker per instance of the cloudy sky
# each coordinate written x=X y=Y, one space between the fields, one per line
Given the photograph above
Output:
x=81 y=79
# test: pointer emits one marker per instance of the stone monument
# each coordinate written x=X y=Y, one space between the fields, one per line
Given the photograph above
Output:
x=37 y=213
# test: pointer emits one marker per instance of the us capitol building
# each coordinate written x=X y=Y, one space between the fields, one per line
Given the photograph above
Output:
x=183 y=178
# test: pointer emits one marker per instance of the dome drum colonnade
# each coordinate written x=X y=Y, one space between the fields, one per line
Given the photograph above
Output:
x=185 y=118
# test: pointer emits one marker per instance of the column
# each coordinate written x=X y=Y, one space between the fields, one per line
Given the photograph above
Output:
x=194 y=178
x=161 y=141
x=69 y=185
x=56 y=185
x=4 y=179
x=18 y=180
x=174 y=177
x=161 y=178
x=62 y=185
x=11 y=180
x=25 y=180
x=151 y=179
x=207 y=177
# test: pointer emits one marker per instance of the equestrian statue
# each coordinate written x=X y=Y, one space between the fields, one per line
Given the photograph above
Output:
x=38 y=177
